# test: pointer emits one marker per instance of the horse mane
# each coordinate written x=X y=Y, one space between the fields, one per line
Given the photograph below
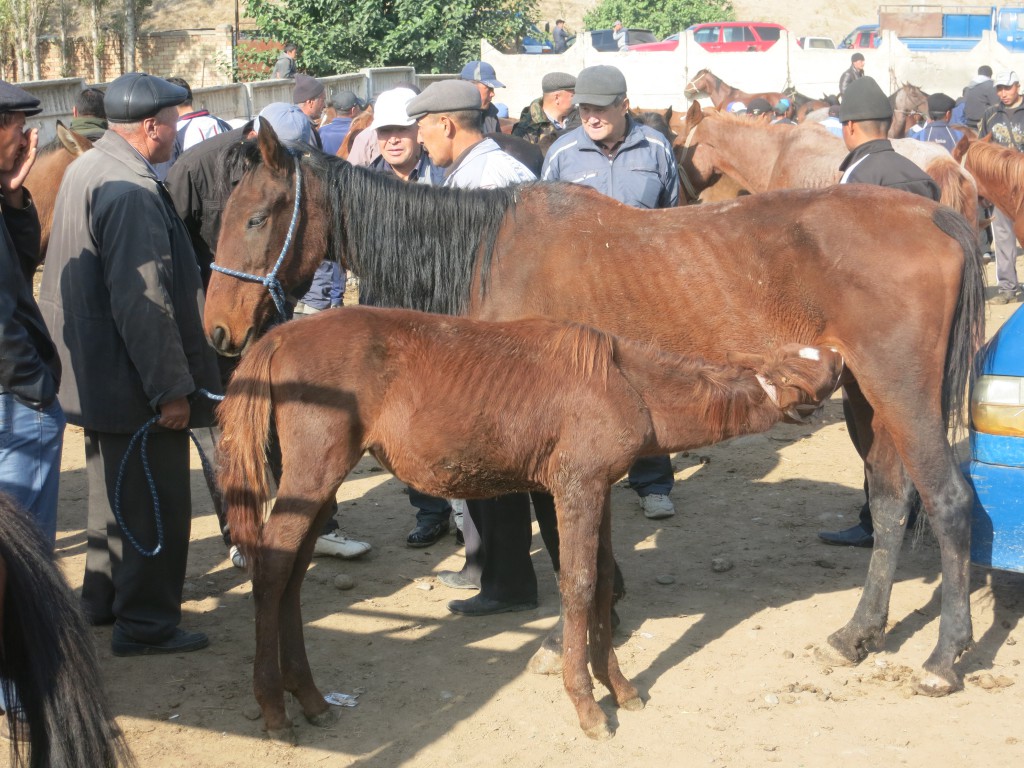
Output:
x=1005 y=167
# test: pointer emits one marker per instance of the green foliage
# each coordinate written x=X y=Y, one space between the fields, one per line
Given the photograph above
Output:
x=662 y=17
x=431 y=35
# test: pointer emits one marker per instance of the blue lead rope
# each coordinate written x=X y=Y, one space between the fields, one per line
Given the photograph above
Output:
x=270 y=280
x=141 y=437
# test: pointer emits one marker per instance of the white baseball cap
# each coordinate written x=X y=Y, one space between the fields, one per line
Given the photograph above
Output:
x=1006 y=79
x=389 y=108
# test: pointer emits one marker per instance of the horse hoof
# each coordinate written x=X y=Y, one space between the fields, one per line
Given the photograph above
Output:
x=633 y=705
x=599 y=732
x=285 y=735
x=325 y=719
x=934 y=685
x=545 y=662
x=833 y=657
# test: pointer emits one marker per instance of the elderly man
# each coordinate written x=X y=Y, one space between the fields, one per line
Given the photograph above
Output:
x=633 y=164
x=31 y=419
x=122 y=294
x=309 y=96
x=1005 y=121
x=865 y=115
x=482 y=75
x=553 y=113
x=498 y=531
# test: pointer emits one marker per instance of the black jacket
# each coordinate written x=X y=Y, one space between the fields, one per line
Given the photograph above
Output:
x=876 y=162
x=848 y=77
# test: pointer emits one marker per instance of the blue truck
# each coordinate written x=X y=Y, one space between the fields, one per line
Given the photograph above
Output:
x=942 y=28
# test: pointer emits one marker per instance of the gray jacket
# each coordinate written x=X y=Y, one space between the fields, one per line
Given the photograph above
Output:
x=122 y=295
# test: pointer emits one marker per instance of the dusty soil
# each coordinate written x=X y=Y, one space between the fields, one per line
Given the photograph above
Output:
x=724 y=660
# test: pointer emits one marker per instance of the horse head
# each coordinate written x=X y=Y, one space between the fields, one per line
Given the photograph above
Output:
x=699 y=84
x=273 y=229
x=797 y=378
x=695 y=161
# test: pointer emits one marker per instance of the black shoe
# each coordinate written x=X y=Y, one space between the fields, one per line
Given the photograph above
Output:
x=856 y=536
x=456 y=580
x=425 y=534
x=478 y=605
x=122 y=644
x=459 y=538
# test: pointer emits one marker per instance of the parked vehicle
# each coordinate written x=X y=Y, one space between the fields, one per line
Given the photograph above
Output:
x=670 y=43
x=730 y=36
x=602 y=39
x=996 y=469
x=935 y=28
x=823 y=43
x=538 y=41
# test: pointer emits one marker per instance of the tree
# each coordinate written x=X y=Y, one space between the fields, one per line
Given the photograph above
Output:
x=431 y=35
x=662 y=17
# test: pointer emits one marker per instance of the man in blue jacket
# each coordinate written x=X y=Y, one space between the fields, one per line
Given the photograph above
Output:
x=633 y=164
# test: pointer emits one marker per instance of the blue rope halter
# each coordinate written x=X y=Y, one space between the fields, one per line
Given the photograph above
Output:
x=270 y=281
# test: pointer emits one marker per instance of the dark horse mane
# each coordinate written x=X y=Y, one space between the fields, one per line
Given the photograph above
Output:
x=411 y=245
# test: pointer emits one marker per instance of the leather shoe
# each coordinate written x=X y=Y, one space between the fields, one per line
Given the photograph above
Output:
x=855 y=536
x=478 y=605
x=123 y=644
x=425 y=534
x=456 y=580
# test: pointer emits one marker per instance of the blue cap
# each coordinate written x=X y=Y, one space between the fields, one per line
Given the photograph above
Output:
x=288 y=121
x=481 y=72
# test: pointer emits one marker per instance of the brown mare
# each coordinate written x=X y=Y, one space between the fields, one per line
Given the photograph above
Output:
x=596 y=404
x=45 y=176
x=999 y=172
x=721 y=93
x=764 y=157
x=815 y=267
x=47 y=656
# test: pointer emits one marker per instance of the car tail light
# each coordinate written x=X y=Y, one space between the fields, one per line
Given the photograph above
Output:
x=997 y=405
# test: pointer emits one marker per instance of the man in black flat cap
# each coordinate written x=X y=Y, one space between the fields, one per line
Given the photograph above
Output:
x=866 y=114
x=123 y=296
x=937 y=130
x=309 y=96
x=553 y=113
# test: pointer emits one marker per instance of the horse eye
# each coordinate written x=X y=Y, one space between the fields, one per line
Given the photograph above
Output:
x=256 y=221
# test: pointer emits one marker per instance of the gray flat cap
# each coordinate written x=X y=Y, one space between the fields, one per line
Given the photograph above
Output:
x=306 y=88
x=558 y=81
x=600 y=86
x=864 y=100
x=136 y=96
x=444 y=96
x=15 y=99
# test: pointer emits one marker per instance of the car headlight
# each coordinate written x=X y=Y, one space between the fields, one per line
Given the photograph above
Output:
x=997 y=405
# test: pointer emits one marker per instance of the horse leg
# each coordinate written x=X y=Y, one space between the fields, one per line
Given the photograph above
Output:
x=578 y=529
x=602 y=654
x=297 y=677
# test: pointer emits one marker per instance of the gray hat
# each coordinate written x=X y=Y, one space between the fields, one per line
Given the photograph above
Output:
x=558 y=81
x=600 y=85
x=343 y=101
x=288 y=121
x=864 y=100
x=444 y=96
x=14 y=99
x=759 y=106
x=136 y=96
x=306 y=88
x=480 y=72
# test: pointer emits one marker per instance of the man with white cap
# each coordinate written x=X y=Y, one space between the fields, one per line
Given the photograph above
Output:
x=397 y=141
x=1005 y=121
x=632 y=163
x=482 y=75
x=123 y=297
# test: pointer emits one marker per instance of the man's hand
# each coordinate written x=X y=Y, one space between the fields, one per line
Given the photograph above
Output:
x=175 y=414
x=12 y=180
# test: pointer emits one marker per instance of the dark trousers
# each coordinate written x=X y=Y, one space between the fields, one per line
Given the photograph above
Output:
x=429 y=509
x=652 y=474
x=142 y=593
x=498 y=536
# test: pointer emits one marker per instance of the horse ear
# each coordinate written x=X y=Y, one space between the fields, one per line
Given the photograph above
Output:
x=75 y=143
x=668 y=115
x=694 y=114
x=961 y=147
x=275 y=156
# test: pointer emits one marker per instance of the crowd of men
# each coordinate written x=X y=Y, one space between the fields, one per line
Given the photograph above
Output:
x=116 y=342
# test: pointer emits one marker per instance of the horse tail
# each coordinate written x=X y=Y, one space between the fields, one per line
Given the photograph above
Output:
x=48 y=661
x=958 y=189
x=245 y=415
x=968 y=329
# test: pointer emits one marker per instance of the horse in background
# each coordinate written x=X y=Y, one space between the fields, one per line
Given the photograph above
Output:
x=359 y=124
x=46 y=173
x=999 y=172
x=47 y=658
x=721 y=93
x=909 y=107
x=596 y=403
x=763 y=157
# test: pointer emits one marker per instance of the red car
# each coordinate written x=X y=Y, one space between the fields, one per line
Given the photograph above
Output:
x=670 y=43
x=731 y=36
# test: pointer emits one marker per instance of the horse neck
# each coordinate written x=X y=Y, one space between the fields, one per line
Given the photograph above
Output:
x=752 y=151
x=999 y=189
x=692 y=403
x=720 y=91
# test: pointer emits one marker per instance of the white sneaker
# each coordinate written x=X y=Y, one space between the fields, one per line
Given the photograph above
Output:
x=657 y=506
x=237 y=558
x=337 y=544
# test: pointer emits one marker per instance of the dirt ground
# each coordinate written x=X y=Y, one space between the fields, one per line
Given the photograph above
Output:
x=724 y=660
